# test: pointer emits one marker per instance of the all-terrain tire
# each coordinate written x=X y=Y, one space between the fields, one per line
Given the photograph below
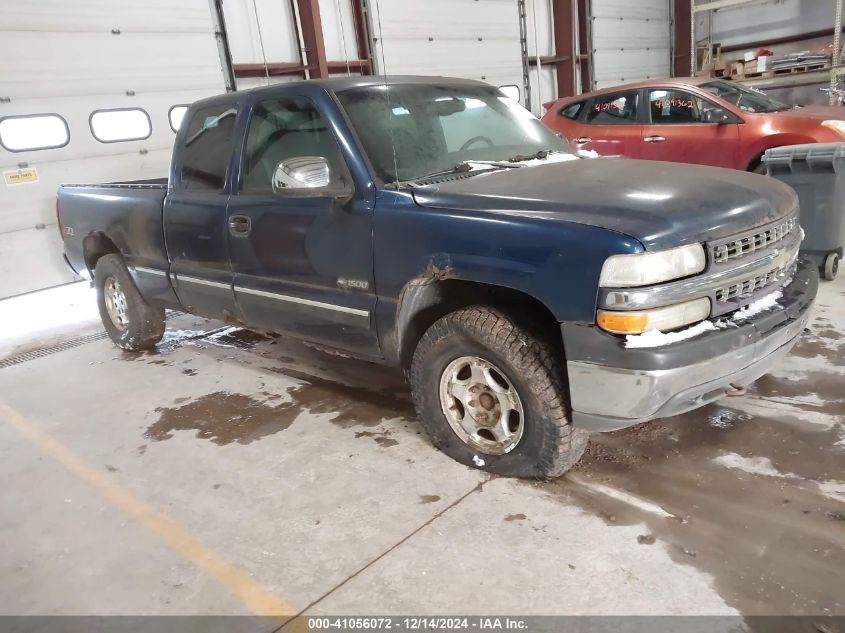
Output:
x=549 y=445
x=144 y=324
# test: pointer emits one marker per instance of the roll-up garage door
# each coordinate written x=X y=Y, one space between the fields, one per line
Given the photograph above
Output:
x=474 y=39
x=73 y=72
x=630 y=41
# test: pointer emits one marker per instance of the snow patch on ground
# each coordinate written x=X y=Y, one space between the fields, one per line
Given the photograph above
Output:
x=833 y=490
x=754 y=465
x=477 y=461
x=624 y=497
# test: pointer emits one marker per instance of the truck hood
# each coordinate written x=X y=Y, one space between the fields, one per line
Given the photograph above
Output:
x=660 y=204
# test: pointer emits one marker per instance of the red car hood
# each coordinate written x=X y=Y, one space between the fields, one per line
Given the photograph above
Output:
x=820 y=113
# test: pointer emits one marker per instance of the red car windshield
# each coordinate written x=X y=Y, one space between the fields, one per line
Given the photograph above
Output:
x=744 y=98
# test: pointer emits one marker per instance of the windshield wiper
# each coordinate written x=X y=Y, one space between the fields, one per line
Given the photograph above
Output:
x=464 y=167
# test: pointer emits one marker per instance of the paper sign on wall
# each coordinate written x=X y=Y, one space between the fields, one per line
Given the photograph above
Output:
x=20 y=176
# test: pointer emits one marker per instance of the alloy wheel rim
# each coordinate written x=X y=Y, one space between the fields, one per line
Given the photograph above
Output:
x=481 y=405
x=115 y=302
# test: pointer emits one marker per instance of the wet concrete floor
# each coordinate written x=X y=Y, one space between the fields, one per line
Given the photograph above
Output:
x=283 y=457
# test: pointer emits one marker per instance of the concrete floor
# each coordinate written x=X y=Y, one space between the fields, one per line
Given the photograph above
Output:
x=228 y=473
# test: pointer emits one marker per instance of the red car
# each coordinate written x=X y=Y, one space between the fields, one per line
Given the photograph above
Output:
x=690 y=120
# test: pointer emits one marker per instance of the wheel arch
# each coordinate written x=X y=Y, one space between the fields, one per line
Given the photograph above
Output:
x=424 y=301
x=771 y=142
x=94 y=246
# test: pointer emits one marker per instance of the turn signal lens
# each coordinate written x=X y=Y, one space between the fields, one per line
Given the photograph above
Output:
x=662 y=319
x=623 y=322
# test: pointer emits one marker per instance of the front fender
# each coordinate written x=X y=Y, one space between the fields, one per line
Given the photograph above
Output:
x=556 y=263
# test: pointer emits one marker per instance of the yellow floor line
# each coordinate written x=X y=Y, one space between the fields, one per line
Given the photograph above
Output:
x=241 y=584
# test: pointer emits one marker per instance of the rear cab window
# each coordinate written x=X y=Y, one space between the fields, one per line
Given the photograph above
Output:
x=207 y=148
x=618 y=108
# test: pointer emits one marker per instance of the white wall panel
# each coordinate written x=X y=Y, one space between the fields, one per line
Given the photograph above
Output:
x=630 y=41
x=62 y=57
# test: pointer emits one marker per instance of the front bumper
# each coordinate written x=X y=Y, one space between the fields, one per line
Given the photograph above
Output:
x=612 y=387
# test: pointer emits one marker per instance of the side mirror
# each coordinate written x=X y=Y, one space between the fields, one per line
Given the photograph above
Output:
x=303 y=172
x=716 y=115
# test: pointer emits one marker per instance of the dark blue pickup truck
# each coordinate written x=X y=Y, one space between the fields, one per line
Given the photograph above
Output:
x=434 y=224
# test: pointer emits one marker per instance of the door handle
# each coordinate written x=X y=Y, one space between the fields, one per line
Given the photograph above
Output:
x=654 y=139
x=581 y=139
x=240 y=226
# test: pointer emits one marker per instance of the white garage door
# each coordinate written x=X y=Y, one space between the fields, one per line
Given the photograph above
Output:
x=474 y=39
x=135 y=60
x=630 y=41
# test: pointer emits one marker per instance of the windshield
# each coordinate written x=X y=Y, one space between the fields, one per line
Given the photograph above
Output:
x=744 y=98
x=413 y=130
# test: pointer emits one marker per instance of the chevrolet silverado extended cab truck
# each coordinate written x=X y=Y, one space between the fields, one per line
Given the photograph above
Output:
x=434 y=224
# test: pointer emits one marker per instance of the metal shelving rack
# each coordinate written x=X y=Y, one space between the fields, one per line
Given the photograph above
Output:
x=831 y=75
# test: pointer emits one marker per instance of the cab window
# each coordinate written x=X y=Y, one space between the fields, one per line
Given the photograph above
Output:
x=284 y=128
x=619 y=108
x=207 y=148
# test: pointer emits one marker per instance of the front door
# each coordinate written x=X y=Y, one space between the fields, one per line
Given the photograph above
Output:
x=610 y=125
x=195 y=215
x=676 y=131
x=301 y=256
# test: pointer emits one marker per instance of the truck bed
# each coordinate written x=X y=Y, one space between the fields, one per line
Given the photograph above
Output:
x=129 y=213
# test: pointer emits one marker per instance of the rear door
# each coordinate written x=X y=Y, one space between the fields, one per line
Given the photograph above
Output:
x=302 y=258
x=610 y=125
x=195 y=226
x=675 y=130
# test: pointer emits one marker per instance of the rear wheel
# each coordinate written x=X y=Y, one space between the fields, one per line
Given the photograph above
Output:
x=130 y=321
x=492 y=395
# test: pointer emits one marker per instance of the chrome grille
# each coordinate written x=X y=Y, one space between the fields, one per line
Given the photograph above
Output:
x=750 y=243
x=748 y=286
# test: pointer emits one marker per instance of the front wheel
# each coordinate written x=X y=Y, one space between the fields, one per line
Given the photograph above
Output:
x=492 y=395
x=130 y=321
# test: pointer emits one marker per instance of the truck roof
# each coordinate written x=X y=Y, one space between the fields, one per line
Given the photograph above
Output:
x=339 y=84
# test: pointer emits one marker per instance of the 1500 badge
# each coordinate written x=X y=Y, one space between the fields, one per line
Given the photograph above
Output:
x=353 y=284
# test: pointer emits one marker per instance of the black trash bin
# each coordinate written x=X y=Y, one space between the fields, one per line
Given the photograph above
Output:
x=817 y=172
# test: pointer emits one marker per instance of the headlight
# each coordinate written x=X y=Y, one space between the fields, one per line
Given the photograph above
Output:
x=644 y=269
x=663 y=319
x=835 y=125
